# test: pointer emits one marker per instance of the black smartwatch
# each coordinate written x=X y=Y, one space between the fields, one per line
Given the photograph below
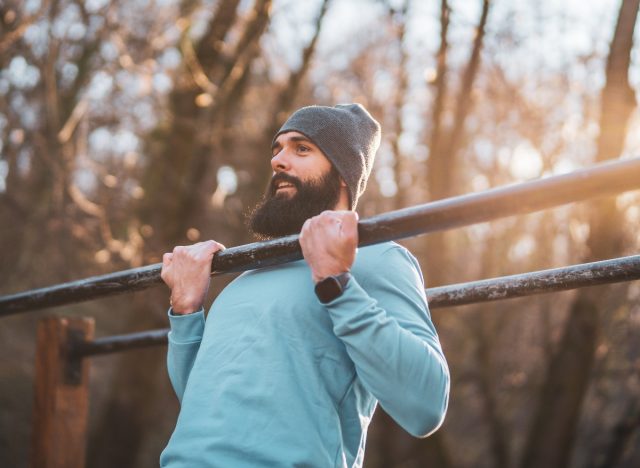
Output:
x=331 y=287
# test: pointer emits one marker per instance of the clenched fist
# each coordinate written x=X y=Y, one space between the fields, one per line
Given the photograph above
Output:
x=329 y=243
x=187 y=272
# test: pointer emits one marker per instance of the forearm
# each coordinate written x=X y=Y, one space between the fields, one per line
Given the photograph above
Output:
x=184 y=341
x=402 y=365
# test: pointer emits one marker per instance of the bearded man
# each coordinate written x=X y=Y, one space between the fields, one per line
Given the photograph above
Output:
x=291 y=361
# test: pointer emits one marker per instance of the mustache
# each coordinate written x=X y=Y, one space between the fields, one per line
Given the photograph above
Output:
x=282 y=177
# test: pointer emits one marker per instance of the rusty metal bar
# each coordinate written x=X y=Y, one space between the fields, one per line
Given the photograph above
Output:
x=604 y=179
x=538 y=282
x=116 y=343
x=505 y=287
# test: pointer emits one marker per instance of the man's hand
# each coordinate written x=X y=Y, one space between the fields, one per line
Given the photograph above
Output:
x=329 y=243
x=187 y=272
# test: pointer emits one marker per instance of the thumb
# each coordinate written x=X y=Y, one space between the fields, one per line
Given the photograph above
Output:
x=212 y=247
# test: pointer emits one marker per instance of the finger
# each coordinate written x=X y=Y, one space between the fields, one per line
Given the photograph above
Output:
x=308 y=224
x=350 y=225
x=328 y=220
x=217 y=247
x=165 y=270
x=211 y=247
x=204 y=251
x=304 y=232
x=350 y=220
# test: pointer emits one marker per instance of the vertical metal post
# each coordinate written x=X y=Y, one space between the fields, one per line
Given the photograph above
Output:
x=61 y=394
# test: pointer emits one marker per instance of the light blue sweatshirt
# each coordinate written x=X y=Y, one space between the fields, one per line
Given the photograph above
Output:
x=274 y=378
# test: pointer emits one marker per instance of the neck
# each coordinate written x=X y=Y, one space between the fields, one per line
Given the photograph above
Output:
x=343 y=201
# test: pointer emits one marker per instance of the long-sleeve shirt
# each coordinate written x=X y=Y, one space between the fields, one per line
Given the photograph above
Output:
x=274 y=378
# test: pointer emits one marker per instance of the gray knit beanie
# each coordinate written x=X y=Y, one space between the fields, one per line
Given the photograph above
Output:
x=346 y=134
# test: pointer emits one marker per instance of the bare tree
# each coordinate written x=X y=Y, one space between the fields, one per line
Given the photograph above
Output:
x=288 y=94
x=552 y=434
x=445 y=143
x=401 y=171
x=180 y=159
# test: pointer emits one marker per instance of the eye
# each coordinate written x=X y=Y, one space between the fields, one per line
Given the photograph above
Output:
x=303 y=148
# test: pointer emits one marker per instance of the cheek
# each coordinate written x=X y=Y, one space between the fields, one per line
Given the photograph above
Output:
x=314 y=167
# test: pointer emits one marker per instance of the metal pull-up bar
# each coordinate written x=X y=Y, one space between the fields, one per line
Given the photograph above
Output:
x=604 y=179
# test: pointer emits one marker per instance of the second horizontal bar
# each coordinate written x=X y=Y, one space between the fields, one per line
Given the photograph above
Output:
x=506 y=287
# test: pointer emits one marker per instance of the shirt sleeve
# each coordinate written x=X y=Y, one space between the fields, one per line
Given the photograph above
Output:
x=385 y=324
x=184 y=341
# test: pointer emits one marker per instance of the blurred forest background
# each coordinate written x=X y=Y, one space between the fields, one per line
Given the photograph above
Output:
x=128 y=127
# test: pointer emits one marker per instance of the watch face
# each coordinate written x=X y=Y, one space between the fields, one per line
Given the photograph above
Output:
x=328 y=289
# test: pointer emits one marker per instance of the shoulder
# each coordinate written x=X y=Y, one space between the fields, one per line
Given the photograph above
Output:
x=388 y=261
x=385 y=252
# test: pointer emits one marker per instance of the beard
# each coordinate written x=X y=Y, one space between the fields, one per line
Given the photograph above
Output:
x=280 y=214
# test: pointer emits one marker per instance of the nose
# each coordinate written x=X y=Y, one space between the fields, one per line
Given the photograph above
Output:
x=280 y=162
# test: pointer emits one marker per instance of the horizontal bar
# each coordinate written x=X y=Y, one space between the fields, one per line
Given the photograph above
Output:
x=505 y=287
x=538 y=282
x=604 y=179
x=116 y=343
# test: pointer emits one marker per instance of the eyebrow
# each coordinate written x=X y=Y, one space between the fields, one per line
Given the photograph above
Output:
x=295 y=139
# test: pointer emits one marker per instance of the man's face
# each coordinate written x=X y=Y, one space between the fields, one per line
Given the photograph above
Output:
x=303 y=185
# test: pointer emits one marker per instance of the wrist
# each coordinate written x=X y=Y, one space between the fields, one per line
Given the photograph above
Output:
x=332 y=287
x=319 y=275
x=184 y=308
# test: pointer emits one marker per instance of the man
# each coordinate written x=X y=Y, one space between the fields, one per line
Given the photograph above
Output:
x=292 y=360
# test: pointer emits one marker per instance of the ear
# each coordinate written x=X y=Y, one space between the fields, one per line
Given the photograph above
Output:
x=342 y=182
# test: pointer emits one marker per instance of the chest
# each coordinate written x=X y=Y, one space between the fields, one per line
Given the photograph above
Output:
x=277 y=306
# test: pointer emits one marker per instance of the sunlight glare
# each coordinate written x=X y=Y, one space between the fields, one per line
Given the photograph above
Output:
x=526 y=162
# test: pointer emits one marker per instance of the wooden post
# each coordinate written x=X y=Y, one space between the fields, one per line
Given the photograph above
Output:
x=61 y=394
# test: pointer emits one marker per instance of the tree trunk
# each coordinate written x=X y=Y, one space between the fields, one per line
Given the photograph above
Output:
x=177 y=151
x=552 y=434
x=446 y=143
x=289 y=93
x=400 y=170
x=181 y=156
